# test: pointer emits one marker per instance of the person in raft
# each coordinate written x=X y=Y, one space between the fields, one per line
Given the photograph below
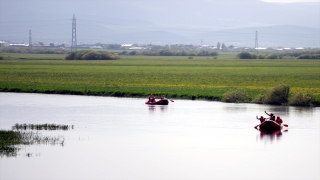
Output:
x=262 y=119
x=152 y=98
x=272 y=117
x=163 y=97
x=279 y=120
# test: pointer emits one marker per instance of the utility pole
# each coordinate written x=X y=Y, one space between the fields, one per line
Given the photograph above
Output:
x=74 y=34
x=256 y=43
x=30 y=41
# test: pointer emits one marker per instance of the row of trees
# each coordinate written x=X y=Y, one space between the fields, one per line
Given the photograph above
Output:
x=247 y=55
x=91 y=55
x=34 y=50
x=170 y=53
x=299 y=55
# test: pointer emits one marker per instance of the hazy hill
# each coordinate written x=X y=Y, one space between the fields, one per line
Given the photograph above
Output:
x=155 y=21
x=270 y=36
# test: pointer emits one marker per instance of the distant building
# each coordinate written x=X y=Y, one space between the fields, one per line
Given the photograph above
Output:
x=3 y=43
x=260 y=48
x=126 y=46
x=95 y=47
x=137 y=48
x=19 y=45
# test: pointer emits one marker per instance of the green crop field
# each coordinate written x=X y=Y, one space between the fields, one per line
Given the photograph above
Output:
x=175 y=77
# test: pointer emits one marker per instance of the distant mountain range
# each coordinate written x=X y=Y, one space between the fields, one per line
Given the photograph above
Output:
x=163 y=22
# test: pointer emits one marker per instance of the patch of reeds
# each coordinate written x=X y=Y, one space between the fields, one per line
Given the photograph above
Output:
x=235 y=97
x=49 y=127
x=280 y=95
x=302 y=99
x=277 y=96
x=8 y=151
x=10 y=141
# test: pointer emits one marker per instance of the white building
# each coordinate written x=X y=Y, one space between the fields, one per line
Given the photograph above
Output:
x=3 y=43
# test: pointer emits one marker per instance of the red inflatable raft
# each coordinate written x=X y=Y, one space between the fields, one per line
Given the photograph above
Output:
x=160 y=102
x=270 y=126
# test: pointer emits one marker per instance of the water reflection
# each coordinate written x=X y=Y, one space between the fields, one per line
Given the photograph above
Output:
x=280 y=110
x=304 y=111
x=271 y=135
x=153 y=108
x=234 y=109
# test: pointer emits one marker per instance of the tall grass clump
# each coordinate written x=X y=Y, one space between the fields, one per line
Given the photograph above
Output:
x=91 y=55
x=11 y=141
x=302 y=99
x=259 y=99
x=277 y=96
x=235 y=97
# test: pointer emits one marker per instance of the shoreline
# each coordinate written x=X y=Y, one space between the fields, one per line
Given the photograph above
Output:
x=121 y=95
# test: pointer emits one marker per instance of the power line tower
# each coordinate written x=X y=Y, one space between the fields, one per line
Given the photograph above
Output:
x=30 y=41
x=256 y=42
x=74 y=34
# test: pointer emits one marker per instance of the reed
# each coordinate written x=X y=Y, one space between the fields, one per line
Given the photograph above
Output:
x=302 y=99
x=11 y=140
x=49 y=127
x=277 y=96
x=236 y=96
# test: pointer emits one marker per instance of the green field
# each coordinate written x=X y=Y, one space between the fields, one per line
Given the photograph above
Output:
x=175 y=77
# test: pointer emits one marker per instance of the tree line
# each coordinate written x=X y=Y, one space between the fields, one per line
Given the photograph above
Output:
x=170 y=53
x=299 y=55
x=91 y=55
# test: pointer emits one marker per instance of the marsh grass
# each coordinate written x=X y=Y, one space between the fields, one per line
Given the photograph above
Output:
x=302 y=99
x=278 y=95
x=175 y=77
x=235 y=96
x=11 y=141
x=38 y=127
x=23 y=134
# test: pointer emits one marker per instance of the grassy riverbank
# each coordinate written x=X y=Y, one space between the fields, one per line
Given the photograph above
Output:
x=175 y=77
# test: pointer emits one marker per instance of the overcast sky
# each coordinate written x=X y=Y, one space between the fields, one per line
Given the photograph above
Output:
x=290 y=1
x=104 y=20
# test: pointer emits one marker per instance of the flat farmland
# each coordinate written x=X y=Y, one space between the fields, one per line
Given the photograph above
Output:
x=175 y=77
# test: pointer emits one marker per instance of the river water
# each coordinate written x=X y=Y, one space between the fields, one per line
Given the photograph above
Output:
x=122 y=138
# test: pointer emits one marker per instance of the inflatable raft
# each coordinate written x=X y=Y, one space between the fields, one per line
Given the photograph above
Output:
x=270 y=126
x=160 y=102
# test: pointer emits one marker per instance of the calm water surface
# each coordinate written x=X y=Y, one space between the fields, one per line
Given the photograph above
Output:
x=122 y=138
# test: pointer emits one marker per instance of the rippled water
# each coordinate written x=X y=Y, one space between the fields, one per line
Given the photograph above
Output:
x=122 y=138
